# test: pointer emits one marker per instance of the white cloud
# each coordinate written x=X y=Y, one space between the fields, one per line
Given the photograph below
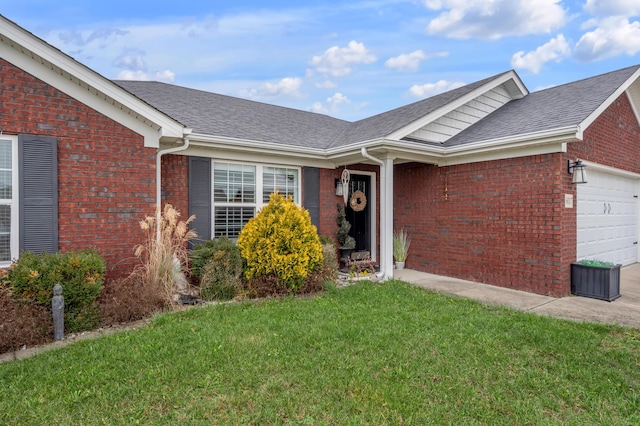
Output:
x=604 y=8
x=134 y=68
x=331 y=105
x=327 y=84
x=288 y=86
x=613 y=37
x=406 y=61
x=431 y=89
x=555 y=50
x=83 y=38
x=493 y=19
x=164 y=76
x=337 y=61
x=131 y=59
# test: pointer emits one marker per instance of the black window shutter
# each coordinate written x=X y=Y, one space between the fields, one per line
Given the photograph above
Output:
x=200 y=196
x=311 y=194
x=38 y=205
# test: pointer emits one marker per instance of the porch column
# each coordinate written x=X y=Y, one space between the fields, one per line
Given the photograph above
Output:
x=386 y=212
x=386 y=217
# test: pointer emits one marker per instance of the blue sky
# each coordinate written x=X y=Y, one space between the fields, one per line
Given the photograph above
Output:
x=349 y=59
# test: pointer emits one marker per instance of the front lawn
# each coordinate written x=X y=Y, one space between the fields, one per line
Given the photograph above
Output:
x=365 y=354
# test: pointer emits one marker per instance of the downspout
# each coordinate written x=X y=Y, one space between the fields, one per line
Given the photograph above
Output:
x=386 y=213
x=185 y=137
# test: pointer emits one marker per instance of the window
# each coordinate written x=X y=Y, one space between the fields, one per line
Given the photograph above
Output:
x=236 y=188
x=8 y=206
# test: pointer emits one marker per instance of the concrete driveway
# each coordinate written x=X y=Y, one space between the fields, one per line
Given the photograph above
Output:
x=623 y=311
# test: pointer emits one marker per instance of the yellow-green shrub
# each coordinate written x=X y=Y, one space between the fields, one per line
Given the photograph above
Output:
x=281 y=241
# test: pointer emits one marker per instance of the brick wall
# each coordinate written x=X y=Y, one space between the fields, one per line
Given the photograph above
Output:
x=106 y=177
x=496 y=222
x=613 y=139
x=175 y=183
x=504 y=222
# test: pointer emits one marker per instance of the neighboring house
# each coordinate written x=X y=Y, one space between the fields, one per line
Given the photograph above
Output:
x=477 y=175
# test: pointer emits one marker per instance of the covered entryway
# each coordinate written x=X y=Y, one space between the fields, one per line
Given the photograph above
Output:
x=607 y=217
x=358 y=210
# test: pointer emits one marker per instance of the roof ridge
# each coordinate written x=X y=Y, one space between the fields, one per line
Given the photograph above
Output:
x=637 y=66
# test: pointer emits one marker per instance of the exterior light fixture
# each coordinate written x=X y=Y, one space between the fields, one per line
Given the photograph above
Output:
x=578 y=170
x=339 y=188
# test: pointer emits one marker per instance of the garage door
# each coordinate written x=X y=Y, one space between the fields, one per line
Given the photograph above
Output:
x=607 y=209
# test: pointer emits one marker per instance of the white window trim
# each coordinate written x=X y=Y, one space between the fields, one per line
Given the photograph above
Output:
x=14 y=202
x=259 y=202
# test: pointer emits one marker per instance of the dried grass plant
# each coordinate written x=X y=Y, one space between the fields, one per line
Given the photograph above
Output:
x=164 y=253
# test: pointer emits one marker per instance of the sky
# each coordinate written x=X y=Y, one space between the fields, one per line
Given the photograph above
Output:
x=348 y=59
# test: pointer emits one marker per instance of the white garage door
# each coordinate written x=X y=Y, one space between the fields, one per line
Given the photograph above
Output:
x=607 y=209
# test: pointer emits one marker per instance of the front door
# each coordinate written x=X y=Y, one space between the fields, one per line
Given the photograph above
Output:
x=358 y=210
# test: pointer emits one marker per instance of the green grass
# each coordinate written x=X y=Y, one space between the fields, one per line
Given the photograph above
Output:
x=366 y=354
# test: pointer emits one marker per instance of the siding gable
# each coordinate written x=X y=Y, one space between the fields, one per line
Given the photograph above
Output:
x=454 y=122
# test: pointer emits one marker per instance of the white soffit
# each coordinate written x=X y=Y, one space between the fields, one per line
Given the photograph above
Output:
x=633 y=92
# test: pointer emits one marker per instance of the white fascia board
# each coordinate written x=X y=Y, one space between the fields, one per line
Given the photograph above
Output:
x=621 y=89
x=503 y=153
x=221 y=147
x=420 y=123
x=526 y=144
x=608 y=169
x=52 y=66
x=536 y=138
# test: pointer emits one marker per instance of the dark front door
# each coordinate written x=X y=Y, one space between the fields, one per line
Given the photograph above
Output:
x=358 y=210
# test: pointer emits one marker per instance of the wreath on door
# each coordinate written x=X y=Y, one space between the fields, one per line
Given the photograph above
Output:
x=358 y=201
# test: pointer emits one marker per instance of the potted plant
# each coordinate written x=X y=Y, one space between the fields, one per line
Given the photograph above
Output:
x=346 y=243
x=401 y=243
x=596 y=279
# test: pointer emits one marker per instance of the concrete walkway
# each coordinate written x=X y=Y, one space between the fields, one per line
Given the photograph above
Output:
x=623 y=311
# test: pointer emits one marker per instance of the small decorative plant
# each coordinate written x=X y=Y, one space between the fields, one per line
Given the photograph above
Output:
x=345 y=240
x=596 y=263
x=401 y=243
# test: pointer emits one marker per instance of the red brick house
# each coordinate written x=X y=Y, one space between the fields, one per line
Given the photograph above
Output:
x=478 y=176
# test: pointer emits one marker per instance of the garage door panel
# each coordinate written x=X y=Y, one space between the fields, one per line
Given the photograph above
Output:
x=607 y=216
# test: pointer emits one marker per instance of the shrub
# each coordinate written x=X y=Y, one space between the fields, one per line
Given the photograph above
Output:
x=129 y=299
x=201 y=254
x=329 y=256
x=22 y=323
x=80 y=273
x=221 y=275
x=164 y=252
x=281 y=241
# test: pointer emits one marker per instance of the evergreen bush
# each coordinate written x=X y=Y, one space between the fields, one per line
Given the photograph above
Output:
x=281 y=241
x=81 y=274
x=220 y=277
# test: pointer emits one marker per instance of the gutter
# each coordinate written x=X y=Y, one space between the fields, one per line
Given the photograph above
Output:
x=386 y=214
x=186 y=132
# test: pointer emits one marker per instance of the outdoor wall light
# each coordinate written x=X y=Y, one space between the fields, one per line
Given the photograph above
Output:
x=339 y=188
x=578 y=170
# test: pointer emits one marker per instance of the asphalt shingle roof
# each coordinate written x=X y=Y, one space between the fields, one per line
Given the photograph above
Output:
x=220 y=115
x=560 y=106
